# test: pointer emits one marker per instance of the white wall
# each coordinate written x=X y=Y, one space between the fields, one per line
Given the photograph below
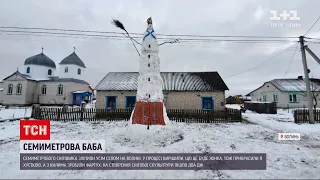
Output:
x=72 y=71
x=1 y=92
x=14 y=99
x=52 y=96
x=38 y=72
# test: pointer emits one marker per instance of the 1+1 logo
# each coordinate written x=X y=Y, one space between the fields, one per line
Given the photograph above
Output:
x=286 y=16
x=34 y=129
x=292 y=15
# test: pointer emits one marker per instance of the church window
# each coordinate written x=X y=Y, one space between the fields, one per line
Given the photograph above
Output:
x=10 y=88
x=149 y=95
x=19 y=88
x=149 y=56
x=60 y=89
x=148 y=64
x=28 y=69
x=44 y=89
x=79 y=71
x=66 y=69
x=148 y=79
x=49 y=72
x=149 y=46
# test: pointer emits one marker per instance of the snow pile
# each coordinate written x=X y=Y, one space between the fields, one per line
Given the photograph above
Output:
x=282 y=122
x=233 y=106
x=136 y=135
x=14 y=113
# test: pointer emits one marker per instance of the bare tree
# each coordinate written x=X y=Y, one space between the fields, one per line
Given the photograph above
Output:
x=315 y=93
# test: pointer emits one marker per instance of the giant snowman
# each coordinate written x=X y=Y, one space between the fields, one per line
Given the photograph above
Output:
x=149 y=108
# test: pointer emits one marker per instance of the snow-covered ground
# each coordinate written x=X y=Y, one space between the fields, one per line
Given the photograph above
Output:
x=13 y=113
x=285 y=159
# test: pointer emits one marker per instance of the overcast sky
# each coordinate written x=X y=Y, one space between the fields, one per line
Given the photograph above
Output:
x=210 y=17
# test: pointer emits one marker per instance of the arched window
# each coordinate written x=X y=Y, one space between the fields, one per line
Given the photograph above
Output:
x=28 y=69
x=66 y=69
x=60 y=89
x=44 y=89
x=79 y=71
x=19 y=89
x=50 y=72
x=10 y=88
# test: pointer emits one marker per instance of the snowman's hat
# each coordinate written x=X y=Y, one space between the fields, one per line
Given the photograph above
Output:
x=149 y=20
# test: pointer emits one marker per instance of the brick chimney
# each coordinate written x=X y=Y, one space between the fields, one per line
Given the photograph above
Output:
x=300 y=77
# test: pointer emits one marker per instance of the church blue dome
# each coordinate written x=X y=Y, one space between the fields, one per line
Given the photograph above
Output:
x=41 y=60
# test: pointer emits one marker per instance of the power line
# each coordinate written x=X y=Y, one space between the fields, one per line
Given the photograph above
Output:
x=181 y=35
x=291 y=61
x=260 y=63
x=123 y=37
x=312 y=25
x=312 y=38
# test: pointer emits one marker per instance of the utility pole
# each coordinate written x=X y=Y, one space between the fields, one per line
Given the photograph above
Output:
x=307 y=80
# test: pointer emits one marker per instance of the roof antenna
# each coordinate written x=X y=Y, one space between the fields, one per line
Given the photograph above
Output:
x=74 y=49
x=42 y=50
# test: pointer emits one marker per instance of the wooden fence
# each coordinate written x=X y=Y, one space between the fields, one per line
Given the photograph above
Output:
x=178 y=115
x=302 y=116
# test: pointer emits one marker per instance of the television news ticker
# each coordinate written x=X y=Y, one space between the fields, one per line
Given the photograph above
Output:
x=39 y=151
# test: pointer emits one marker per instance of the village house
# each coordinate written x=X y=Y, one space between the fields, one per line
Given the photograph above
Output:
x=182 y=90
x=286 y=92
x=38 y=83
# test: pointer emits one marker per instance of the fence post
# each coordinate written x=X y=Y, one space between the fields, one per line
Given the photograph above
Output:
x=35 y=114
x=226 y=114
x=295 y=116
x=208 y=114
x=82 y=109
x=58 y=117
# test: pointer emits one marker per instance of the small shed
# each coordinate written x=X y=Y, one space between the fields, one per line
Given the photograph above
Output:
x=79 y=96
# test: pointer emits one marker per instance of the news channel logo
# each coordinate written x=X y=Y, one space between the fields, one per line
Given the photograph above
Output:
x=284 y=19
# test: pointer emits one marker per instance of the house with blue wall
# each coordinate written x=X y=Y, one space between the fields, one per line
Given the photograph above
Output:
x=182 y=90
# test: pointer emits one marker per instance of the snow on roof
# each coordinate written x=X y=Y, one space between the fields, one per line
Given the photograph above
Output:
x=292 y=85
x=172 y=81
x=295 y=84
x=37 y=79
x=257 y=102
x=79 y=91
x=1 y=89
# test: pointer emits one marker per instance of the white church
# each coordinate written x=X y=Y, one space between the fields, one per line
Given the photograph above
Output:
x=39 y=82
